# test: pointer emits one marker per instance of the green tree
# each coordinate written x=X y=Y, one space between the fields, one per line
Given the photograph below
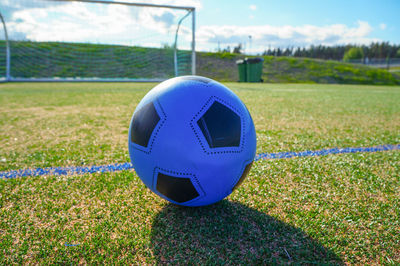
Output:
x=353 y=53
x=238 y=49
x=226 y=50
x=398 y=53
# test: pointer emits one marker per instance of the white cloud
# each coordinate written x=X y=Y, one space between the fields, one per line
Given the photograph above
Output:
x=188 y=3
x=27 y=3
x=82 y=22
x=382 y=26
x=284 y=36
x=119 y=24
x=253 y=7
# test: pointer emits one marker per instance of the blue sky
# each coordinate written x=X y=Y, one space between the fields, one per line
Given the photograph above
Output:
x=290 y=12
x=381 y=19
x=278 y=23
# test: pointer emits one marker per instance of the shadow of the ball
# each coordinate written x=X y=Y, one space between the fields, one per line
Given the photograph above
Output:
x=231 y=233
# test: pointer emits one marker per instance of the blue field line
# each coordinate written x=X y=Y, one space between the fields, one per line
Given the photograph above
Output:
x=79 y=170
x=71 y=170
x=71 y=245
x=283 y=155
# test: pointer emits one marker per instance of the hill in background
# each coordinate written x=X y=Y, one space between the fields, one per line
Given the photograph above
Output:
x=52 y=59
x=223 y=67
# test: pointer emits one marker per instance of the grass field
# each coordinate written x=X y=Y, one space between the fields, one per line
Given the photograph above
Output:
x=282 y=69
x=394 y=69
x=66 y=60
x=327 y=210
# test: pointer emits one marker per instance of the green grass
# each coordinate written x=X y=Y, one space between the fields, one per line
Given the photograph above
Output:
x=303 y=70
x=394 y=69
x=66 y=60
x=327 y=210
x=222 y=66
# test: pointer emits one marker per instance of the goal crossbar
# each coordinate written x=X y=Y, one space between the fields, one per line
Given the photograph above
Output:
x=128 y=4
x=191 y=10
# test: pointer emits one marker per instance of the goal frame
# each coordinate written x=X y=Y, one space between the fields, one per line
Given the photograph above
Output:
x=191 y=10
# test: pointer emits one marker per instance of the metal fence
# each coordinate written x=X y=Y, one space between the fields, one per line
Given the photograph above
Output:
x=61 y=44
x=377 y=62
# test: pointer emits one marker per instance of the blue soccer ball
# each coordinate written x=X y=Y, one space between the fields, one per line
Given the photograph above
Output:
x=192 y=140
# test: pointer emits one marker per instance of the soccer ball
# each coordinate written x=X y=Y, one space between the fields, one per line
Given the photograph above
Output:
x=192 y=140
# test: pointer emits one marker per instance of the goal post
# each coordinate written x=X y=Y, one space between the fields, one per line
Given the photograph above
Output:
x=95 y=40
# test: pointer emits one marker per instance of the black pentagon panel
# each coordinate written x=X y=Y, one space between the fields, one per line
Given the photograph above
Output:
x=179 y=189
x=244 y=174
x=143 y=123
x=220 y=126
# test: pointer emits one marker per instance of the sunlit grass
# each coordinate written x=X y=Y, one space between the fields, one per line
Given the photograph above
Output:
x=331 y=209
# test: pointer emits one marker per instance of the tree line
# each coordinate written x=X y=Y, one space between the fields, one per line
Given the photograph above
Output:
x=337 y=52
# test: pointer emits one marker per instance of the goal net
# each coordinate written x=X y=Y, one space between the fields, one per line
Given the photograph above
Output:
x=94 y=40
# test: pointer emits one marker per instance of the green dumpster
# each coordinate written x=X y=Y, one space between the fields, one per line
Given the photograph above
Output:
x=254 y=69
x=242 y=70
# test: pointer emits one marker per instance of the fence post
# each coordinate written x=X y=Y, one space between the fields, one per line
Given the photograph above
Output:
x=8 y=57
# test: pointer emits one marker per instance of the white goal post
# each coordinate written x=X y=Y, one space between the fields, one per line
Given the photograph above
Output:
x=95 y=40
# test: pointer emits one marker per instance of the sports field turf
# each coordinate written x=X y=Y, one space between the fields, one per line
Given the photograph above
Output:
x=329 y=209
